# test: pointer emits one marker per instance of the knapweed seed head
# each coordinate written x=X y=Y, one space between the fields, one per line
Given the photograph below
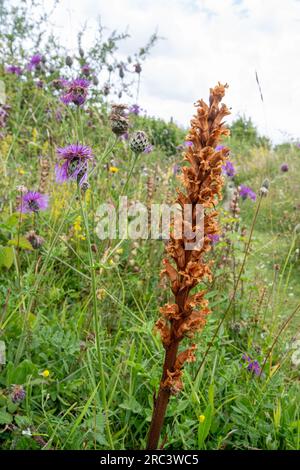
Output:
x=35 y=240
x=284 y=167
x=119 y=119
x=263 y=191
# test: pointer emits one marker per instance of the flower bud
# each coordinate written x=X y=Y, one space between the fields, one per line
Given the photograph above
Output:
x=266 y=183
x=95 y=80
x=139 y=142
x=69 y=61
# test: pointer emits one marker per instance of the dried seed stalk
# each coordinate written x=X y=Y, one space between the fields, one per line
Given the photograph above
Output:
x=44 y=174
x=203 y=181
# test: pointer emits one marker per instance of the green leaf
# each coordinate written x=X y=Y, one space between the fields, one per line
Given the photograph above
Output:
x=5 y=418
x=20 y=242
x=12 y=220
x=6 y=256
x=132 y=405
x=211 y=394
x=22 y=421
x=18 y=375
x=204 y=428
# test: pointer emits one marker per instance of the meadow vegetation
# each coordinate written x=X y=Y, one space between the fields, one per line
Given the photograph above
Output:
x=79 y=356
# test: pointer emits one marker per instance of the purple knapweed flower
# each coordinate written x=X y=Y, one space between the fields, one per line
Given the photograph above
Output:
x=14 y=69
x=228 y=169
x=176 y=169
x=148 y=149
x=214 y=238
x=125 y=136
x=219 y=147
x=187 y=143
x=134 y=109
x=32 y=201
x=252 y=366
x=74 y=161
x=34 y=62
x=179 y=147
x=246 y=192
x=40 y=84
x=284 y=167
x=76 y=91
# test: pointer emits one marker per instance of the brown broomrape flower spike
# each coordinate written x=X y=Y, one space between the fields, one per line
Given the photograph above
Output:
x=185 y=269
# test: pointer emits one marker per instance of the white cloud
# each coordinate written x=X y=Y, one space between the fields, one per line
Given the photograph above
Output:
x=206 y=41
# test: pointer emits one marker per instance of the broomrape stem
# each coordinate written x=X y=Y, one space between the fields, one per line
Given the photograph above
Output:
x=96 y=322
x=162 y=400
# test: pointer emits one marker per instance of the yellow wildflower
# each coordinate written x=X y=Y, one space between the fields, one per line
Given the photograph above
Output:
x=113 y=169
x=45 y=148
x=34 y=135
x=77 y=229
x=201 y=418
x=45 y=373
x=60 y=200
x=5 y=145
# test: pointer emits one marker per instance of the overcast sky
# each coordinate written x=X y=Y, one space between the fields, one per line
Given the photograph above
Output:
x=206 y=41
